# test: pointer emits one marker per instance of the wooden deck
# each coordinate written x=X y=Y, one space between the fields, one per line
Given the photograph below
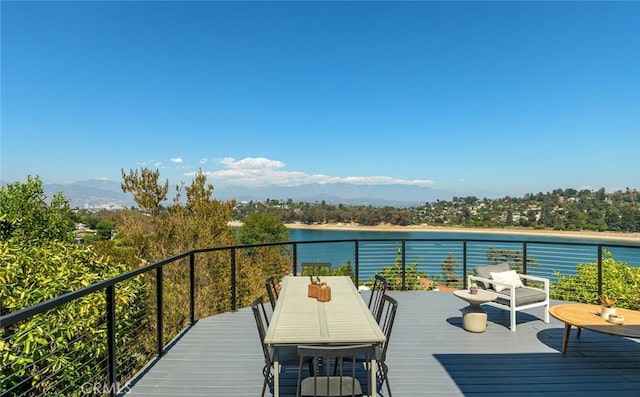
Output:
x=429 y=355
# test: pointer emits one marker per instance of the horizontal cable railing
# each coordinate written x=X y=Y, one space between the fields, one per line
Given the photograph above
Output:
x=130 y=335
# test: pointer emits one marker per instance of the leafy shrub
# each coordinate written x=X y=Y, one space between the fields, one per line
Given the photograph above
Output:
x=619 y=280
x=24 y=214
x=394 y=275
x=59 y=350
x=55 y=352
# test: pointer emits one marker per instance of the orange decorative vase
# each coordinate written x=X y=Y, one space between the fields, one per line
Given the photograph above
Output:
x=324 y=294
x=312 y=290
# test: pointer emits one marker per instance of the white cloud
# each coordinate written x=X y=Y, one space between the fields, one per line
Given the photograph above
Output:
x=260 y=171
x=177 y=160
x=151 y=164
x=252 y=163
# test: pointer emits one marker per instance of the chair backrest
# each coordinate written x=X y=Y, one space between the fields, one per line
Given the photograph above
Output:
x=388 y=309
x=378 y=290
x=315 y=269
x=337 y=370
x=262 y=323
x=272 y=291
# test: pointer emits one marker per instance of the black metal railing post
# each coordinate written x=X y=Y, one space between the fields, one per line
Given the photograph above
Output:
x=295 y=259
x=404 y=265
x=111 y=340
x=192 y=288
x=524 y=258
x=160 y=314
x=233 y=279
x=599 y=269
x=357 y=262
x=464 y=264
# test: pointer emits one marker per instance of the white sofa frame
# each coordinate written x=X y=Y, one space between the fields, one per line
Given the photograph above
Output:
x=512 y=307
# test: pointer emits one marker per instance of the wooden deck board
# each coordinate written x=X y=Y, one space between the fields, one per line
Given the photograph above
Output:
x=429 y=355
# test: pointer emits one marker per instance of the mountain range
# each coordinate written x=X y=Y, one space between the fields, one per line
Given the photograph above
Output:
x=107 y=194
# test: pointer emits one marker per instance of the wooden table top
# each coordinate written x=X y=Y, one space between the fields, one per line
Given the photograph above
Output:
x=345 y=319
x=588 y=317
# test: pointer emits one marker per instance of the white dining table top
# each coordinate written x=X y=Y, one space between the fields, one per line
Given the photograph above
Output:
x=298 y=319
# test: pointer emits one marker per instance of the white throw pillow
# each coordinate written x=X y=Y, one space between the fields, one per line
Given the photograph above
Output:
x=509 y=277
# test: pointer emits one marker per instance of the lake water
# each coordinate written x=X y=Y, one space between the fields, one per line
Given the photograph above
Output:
x=561 y=256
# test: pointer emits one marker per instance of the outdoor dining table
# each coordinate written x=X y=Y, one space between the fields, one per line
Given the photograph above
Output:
x=301 y=320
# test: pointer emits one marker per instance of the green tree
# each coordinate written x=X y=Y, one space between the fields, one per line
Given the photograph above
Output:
x=39 y=261
x=393 y=274
x=104 y=230
x=630 y=219
x=262 y=227
x=200 y=221
x=613 y=219
x=25 y=215
x=448 y=265
x=147 y=192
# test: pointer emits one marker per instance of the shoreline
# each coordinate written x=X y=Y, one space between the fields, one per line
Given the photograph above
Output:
x=617 y=236
x=614 y=236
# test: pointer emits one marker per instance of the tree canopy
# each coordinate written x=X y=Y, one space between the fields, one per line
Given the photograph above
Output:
x=25 y=214
x=262 y=227
x=147 y=192
x=40 y=261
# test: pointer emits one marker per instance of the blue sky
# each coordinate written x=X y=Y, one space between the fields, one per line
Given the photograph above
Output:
x=477 y=98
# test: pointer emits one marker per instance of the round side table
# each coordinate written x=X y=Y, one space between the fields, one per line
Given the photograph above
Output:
x=474 y=317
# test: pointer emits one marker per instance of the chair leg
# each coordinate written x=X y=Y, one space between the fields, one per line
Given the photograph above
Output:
x=546 y=314
x=264 y=388
x=386 y=380
x=388 y=387
x=513 y=320
x=267 y=372
x=382 y=378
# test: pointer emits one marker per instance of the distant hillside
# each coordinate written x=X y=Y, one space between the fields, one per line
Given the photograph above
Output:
x=92 y=194
x=106 y=194
x=337 y=193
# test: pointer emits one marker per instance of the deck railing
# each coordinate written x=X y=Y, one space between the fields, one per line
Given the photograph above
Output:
x=113 y=364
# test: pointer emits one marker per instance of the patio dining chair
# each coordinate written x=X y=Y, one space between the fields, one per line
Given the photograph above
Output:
x=379 y=289
x=387 y=316
x=388 y=309
x=286 y=356
x=336 y=371
x=272 y=291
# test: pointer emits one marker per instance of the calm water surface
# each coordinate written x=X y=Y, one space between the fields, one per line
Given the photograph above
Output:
x=562 y=257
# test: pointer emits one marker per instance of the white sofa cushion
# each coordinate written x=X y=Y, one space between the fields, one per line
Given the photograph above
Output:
x=509 y=277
